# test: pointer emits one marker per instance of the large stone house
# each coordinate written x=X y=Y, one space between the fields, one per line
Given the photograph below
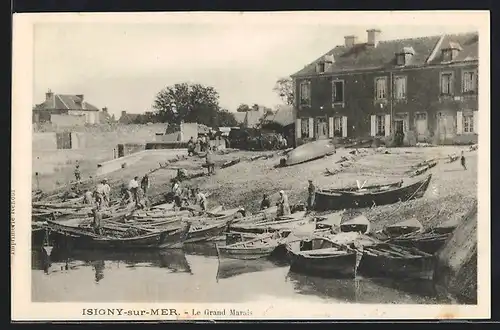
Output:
x=425 y=87
x=66 y=110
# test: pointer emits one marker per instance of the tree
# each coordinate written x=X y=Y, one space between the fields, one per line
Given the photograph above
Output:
x=285 y=90
x=188 y=103
x=243 y=108
x=226 y=119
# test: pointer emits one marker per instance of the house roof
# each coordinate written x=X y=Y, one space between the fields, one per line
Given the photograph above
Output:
x=128 y=118
x=66 y=102
x=252 y=118
x=364 y=56
x=282 y=116
x=240 y=117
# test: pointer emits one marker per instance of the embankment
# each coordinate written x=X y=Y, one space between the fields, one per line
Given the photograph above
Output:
x=456 y=270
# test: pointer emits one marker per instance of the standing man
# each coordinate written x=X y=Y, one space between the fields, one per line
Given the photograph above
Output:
x=107 y=192
x=210 y=163
x=266 y=203
x=145 y=183
x=311 y=195
x=191 y=146
x=283 y=206
x=462 y=160
x=96 y=224
x=77 y=172
x=99 y=193
x=133 y=185
x=201 y=199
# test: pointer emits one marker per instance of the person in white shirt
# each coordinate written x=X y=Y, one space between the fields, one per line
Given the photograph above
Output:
x=107 y=192
x=133 y=185
x=201 y=199
x=99 y=193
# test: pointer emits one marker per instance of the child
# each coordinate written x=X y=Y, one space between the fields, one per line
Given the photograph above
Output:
x=462 y=160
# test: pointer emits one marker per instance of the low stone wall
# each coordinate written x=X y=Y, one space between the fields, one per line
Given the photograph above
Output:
x=456 y=269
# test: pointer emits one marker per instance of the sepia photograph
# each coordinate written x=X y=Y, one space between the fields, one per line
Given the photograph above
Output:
x=227 y=161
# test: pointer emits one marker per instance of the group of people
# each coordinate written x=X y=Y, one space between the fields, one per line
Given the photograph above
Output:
x=284 y=205
x=186 y=196
x=202 y=143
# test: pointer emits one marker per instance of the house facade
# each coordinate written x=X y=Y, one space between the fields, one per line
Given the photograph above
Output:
x=423 y=87
x=65 y=110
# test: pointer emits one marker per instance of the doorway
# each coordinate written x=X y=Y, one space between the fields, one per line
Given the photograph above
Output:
x=321 y=128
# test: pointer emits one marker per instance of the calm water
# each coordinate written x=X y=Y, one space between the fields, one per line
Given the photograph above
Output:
x=196 y=275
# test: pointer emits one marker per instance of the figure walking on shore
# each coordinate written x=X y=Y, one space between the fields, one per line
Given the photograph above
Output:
x=311 y=196
x=462 y=161
x=77 y=172
x=132 y=187
x=145 y=184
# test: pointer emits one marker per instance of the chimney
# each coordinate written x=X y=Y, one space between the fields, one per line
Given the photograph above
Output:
x=373 y=37
x=49 y=95
x=105 y=110
x=350 y=41
x=80 y=98
x=124 y=113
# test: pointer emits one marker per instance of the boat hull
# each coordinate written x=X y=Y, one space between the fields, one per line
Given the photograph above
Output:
x=429 y=245
x=343 y=265
x=206 y=233
x=77 y=238
x=348 y=200
x=245 y=253
x=309 y=151
x=420 y=266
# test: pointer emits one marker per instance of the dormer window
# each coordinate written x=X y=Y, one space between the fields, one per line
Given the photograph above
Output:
x=451 y=51
x=320 y=67
x=404 y=56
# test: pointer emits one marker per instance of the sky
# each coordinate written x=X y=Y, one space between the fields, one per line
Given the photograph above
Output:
x=122 y=66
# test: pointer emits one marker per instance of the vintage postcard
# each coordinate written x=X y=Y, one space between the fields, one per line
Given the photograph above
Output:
x=238 y=166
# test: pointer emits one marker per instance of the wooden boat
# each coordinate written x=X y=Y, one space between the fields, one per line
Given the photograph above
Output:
x=346 y=200
x=410 y=226
x=309 y=151
x=375 y=187
x=321 y=256
x=260 y=247
x=203 y=232
x=359 y=224
x=84 y=237
x=263 y=215
x=230 y=163
x=446 y=227
x=388 y=260
x=286 y=223
x=426 y=242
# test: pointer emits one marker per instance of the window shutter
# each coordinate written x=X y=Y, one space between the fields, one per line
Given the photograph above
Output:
x=476 y=121
x=330 y=127
x=311 y=127
x=344 y=126
x=387 y=125
x=373 y=126
x=298 y=128
x=460 y=125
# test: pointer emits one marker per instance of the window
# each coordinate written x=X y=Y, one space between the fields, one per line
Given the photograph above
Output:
x=380 y=125
x=338 y=91
x=337 y=126
x=380 y=88
x=320 y=67
x=469 y=82
x=400 y=59
x=447 y=55
x=421 y=116
x=399 y=88
x=305 y=93
x=468 y=124
x=304 y=127
x=447 y=83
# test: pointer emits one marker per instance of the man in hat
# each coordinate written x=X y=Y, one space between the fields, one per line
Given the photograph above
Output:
x=462 y=160
x=311 y=195
x=107 y=192
x=77 y=172
x=201 y=199
x=283 y=205
x=99 y=193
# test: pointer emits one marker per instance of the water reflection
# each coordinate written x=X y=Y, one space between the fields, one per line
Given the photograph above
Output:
x=367 y=290
x=228 y=268
x=61 y=259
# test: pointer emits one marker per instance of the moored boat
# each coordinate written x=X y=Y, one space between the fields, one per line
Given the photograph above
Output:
x=260 y=247
x=374 y=187
x=410 y=226
x=205 y=231
x=426 y=242
x=321 y=256
x=359 y=224
x=361 y=199
x=309 y=151
x=125 y=238
x=388 y=260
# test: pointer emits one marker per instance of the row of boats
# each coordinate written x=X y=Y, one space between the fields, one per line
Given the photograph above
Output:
x=310 y=243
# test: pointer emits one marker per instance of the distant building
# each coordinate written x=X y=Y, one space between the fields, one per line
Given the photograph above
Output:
x=65 y=110
x=422 y=87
